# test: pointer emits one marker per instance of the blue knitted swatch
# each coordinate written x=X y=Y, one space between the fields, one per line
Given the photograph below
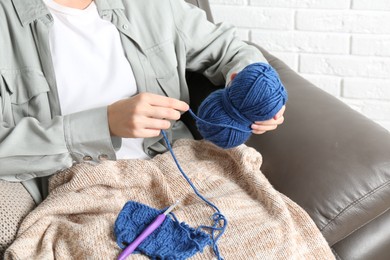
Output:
x=172 y=240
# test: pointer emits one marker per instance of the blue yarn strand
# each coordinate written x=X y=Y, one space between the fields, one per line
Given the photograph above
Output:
x=220 y=125
x=217 y=217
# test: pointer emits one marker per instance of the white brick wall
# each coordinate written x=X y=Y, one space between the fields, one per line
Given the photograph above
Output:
x=342 y=46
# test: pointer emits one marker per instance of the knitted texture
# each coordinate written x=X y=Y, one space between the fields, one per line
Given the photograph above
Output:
x=15 y=204
x=76 y=220
x=172 y=240
x=226 y=115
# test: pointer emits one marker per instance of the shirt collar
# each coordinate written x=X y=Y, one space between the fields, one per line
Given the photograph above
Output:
x=31 y=10
x=103 y=5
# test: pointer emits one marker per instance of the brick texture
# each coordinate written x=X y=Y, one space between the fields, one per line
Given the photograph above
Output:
x=380 y=5
x=346 y=21
x=341 y=46
x=373 y=45
x=323 y=4
x=254 y=17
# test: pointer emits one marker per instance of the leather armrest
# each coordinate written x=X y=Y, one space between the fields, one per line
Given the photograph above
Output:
x=328 y=158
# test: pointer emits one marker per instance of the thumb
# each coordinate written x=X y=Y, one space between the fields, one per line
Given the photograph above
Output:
x=232 y=76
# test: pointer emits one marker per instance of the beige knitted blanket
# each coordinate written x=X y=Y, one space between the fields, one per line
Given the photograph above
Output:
x=76 y=220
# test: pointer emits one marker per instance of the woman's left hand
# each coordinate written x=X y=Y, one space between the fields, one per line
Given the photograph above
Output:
x=260 y=127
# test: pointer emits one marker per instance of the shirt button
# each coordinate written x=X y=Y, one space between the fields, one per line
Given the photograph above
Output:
x=125 y=27
x=103 y=157
x=87 y=158
x=151 y=153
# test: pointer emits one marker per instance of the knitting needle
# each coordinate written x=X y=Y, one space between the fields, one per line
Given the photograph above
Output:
x=147 y=231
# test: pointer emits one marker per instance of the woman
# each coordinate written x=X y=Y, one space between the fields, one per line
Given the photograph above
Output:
x=86 y=80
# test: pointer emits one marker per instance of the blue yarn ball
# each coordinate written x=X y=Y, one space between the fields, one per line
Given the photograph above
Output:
x=255 y=94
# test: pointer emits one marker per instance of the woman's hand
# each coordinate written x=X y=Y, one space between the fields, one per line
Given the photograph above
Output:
x=143 y=115
x=260 y=127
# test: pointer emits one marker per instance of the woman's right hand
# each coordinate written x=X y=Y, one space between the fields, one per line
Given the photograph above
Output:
x=143 y=115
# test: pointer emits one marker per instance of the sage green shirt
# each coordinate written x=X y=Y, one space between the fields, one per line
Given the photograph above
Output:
x=161 y=40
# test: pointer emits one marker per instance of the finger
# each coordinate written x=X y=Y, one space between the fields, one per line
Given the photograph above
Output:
x=163 y=101
x=261 y=128
x=280 y=113
x=278 y=121
x=156 y=124
x=258 y=132
x=146 y=133
x=234 y=74
x=163 y=113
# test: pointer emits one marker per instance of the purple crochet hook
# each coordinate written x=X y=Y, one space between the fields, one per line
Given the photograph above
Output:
x=147 y=231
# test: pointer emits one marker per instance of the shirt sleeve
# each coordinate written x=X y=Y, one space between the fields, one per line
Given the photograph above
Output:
x=34 y=149
x=214 y=50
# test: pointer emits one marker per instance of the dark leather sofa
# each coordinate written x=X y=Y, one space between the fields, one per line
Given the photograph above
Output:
x=331 y=160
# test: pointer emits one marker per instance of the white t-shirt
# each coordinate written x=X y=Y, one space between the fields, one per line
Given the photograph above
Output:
x=90 y=66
